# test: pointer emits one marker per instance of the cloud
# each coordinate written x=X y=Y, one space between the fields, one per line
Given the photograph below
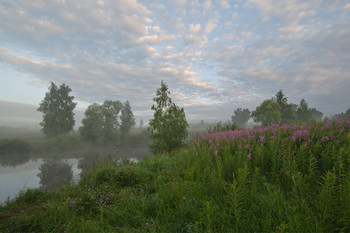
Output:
x=215 y=56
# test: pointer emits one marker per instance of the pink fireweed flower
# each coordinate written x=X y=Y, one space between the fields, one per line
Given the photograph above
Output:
x=299 y=133
x=249 y=156
x=247 y=146
x=292 y=138
x=216 y=153
x=261 y=139
x=325 y=139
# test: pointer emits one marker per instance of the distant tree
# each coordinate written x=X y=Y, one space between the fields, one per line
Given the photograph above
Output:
x=92 y=123
x=303 y=111
x=127 y=118
x=57 y=108
x=100 y=123
x=110 y=116
x=168 y=128
x=342 y=116
x=315 y=114
x=240 y=117
x=141 y=123
x=267 y=112
x=287 y=112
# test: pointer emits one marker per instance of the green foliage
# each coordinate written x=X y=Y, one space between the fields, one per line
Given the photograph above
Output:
x=278 y=110
x=100 y=123
x=14 y=145
x=303 y=112
x=57 y=108
x=127 y=119
x=342 y=116
x=280 y=178
x=287 y=112
x=222 y=127
x=14 y=152
x=267 y=112
x=168 y=128
x=240 y=117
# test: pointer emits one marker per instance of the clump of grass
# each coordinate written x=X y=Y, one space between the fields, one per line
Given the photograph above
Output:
x=278 y=178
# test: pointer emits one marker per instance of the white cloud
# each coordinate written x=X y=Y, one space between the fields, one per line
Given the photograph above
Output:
x=194 y=28
x=205 y=53
x=207 y=5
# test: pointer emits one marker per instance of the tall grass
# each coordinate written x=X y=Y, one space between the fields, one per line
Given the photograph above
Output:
x=281 y=178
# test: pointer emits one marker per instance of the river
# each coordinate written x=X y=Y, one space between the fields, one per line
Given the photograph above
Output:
x=20 y=172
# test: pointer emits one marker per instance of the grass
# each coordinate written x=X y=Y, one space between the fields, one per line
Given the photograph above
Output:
x=290 y=178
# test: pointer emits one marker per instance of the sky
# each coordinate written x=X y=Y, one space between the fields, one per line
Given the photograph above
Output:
x=215 y=56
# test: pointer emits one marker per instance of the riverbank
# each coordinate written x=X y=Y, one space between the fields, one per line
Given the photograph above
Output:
x=290 y=178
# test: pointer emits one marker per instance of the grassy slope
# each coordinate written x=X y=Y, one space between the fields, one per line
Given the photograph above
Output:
x=275 y=179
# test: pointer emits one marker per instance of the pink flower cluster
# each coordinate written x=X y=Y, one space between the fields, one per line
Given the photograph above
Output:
x=247 y=138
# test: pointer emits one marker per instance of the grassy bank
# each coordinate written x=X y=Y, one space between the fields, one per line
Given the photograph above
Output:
x=290 y=178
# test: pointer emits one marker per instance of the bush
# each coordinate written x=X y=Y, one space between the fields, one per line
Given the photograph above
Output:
x=10 y=146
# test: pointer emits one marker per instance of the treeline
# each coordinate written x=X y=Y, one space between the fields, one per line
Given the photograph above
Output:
x=101 y=123
x=277 y=110
x=107 y=122
x=111 y=121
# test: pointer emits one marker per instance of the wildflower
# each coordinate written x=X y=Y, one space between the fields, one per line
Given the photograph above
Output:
x=196 y=154
x=184 y=198
x=261 y=139
x=216 y=153
x=249 y=156
x=146 y=224
x=326 y=138
x=299 y=133
x=247 y=146
x=292 y=138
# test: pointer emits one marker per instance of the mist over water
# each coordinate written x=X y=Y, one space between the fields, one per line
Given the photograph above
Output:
x=19 y=172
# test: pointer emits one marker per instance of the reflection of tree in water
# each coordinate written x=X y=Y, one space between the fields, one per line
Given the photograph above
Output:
x=54 y=174
x=13 y=159
x=96 y=156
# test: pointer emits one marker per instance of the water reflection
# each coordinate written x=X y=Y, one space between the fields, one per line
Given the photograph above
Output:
x=14 y=159
x=92 y=157
x=20 y=172
x=55 y=174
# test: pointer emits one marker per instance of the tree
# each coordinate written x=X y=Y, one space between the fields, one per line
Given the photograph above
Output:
x=267 y=112
x=110 y=123
x=92 y=123
x=240 y=117
x=303 y=112
x=315 y=114
x=342 y=116
x=127 y=118
x=287 y=113
x=100 y=123
x=168 y=128
x=141 y=123
x=57 y=108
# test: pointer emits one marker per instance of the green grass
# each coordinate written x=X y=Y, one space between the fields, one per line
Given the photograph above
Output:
x=291 y=178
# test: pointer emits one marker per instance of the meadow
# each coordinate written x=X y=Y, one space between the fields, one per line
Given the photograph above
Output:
x=280 y=178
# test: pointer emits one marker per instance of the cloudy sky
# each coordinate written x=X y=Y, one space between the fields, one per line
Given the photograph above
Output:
x=215 y=56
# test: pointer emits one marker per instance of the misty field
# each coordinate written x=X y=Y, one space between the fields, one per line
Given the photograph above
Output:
x=280 y=178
